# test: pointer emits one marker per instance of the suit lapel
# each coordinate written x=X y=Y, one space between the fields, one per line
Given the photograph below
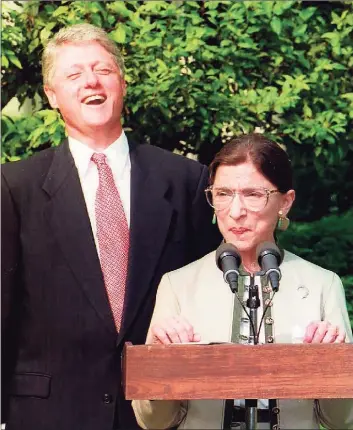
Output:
x=216 y=312
x=288 y=300
x=150 y=219
x=68 y=218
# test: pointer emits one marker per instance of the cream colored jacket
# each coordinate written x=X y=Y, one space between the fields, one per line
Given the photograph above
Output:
x=197 y=292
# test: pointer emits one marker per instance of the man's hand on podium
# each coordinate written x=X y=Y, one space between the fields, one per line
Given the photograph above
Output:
x=174 y=330
x=324 y=332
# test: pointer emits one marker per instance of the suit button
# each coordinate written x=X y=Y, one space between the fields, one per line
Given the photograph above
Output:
x=107 y=398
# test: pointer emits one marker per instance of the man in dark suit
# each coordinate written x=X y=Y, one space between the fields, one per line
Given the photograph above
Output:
x=88 y=230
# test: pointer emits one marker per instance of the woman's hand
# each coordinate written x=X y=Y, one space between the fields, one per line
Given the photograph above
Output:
x=174 y=330
x=323 y=332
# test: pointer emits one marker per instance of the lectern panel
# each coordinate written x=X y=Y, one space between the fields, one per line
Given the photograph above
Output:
x=231 y=371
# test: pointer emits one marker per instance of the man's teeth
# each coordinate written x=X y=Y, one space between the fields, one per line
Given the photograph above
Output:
x=94 y=99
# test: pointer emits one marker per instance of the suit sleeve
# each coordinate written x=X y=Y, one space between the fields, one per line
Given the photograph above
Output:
x=336 y=413
x=206 y=236
x=10 y=288
x=161 y=414
x=334 y=307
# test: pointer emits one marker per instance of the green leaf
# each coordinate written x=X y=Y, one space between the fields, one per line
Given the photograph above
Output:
x=96 y=20
x=45 y=34
x=300 y=30
x=119 y=8
x=203 y=112
x=333 y=37
x=33 y=45
x=348 y=96
x=282 y=6
x=119 y=34
x=308 y=113
x=198 y=74
x=61 y=10
x=211 y=5
x=307 y=12
x=215 y=130
x=161 y=65
x=267 y=7
x=337 y=66
x=50 y=118
x=35 y=135
x=4 y=62
x=14 y=60
x=276 y=25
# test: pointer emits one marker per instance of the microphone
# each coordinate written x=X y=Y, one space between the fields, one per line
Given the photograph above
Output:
x=228 y=260
x=269 y=258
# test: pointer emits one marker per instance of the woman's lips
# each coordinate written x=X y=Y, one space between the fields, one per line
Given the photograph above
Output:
x=239 y=230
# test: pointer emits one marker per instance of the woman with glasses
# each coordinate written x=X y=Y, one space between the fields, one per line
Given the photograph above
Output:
x=251 y=192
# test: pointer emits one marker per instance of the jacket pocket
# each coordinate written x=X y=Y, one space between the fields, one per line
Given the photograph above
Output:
x=30 y=385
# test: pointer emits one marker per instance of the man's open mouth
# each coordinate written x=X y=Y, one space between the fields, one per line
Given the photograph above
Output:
x=94 y=100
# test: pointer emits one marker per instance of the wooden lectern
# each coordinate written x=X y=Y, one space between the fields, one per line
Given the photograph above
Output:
x=232 y=371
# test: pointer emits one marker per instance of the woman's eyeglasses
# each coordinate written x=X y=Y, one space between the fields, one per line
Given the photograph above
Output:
x=254 y=199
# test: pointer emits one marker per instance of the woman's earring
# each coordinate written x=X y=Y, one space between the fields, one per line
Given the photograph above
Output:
x=214 y=218
x=283 y=222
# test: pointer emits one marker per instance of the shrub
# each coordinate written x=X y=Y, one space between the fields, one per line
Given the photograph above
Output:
x=328 y=243
x=199 y=72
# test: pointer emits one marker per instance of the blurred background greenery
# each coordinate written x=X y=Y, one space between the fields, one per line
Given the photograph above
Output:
x=200 y=72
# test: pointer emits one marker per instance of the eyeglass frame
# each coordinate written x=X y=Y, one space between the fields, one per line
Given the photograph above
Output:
x=268 y=192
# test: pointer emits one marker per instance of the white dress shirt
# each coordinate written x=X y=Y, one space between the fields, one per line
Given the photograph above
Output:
x=118 y=159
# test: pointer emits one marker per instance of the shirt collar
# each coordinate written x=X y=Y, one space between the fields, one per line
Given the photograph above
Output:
x=117 y=154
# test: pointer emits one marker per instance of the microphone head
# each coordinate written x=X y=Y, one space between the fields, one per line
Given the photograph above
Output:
x=268 y=248
x=228 y=261
x=227 y=250
x=269 y=258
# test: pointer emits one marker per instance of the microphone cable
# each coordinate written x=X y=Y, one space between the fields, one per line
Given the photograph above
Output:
x=264 y=313
x=248 y=315
x=256 y=333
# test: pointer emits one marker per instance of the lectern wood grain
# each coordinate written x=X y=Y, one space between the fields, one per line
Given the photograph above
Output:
x=230 y=371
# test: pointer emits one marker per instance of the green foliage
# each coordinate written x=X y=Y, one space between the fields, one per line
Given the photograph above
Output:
x=199 y=72
x=328 y=243
x=38 y=129
x=348 y=285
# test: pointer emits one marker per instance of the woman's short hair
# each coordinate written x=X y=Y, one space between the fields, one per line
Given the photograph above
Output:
x=77 y=33
x=267 y=156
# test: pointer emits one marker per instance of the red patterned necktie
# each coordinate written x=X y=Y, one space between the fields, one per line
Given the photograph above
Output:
x=113 y=237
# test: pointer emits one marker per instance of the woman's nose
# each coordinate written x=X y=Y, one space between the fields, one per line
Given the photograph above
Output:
x=237 y=207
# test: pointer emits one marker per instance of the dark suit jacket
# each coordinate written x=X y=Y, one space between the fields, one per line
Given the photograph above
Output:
x=61 y=351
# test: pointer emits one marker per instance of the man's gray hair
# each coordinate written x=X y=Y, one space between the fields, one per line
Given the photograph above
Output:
x=76 y=34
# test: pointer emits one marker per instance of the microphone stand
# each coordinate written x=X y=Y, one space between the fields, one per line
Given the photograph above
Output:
x=253 y=303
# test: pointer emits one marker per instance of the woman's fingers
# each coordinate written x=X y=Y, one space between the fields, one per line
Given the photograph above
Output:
x=184 y=329
x=331 y=334
x=324 y=332
x=320 y=332
x=174 y=330
x=196 y=337
x=341 y=337
x=310 y=332
x=160 y=335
